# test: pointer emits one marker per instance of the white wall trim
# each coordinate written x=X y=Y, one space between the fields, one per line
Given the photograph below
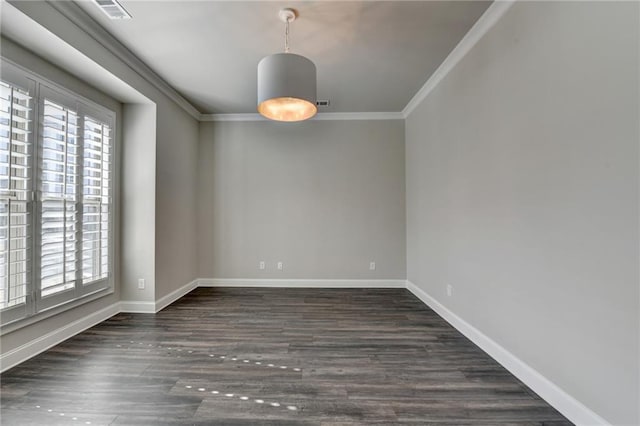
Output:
x=165 y=301
x=336 y=116
x=299 y=283
x=232 y=117
x=42 y=343
x=359 y=116
x=136 y=307
x=570 y=407
x=488 y=19
x=559 y=399
x=55 y=337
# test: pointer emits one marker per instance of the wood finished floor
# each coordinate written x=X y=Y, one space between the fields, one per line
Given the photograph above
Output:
x=352 y=356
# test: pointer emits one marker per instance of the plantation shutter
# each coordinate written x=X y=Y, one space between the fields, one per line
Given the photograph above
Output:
x=56 y=196
x=58 y=182
x=16 y=111
x=97 y=158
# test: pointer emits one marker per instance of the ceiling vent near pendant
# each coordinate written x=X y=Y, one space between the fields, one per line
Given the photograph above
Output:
x=322 y=103
x=112 y=9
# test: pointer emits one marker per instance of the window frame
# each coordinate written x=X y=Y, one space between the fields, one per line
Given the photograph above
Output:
x=37 y=307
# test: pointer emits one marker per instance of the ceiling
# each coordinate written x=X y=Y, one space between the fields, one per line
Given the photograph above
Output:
x=371 y=56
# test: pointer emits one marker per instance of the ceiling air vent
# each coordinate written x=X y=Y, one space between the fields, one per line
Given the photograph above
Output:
x=322 y=103
x=112 y=9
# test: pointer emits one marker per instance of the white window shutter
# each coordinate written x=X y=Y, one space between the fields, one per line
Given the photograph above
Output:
x=97 y=158
x=58 y=198
x=16 y=111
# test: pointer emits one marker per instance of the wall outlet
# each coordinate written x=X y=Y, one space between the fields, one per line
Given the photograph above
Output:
x=449 y=290
x=141 y=284
x=262 y=265
x=280 y=266
x=372 y=266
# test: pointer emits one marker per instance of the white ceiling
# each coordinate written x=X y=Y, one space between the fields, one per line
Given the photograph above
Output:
x=371 y=56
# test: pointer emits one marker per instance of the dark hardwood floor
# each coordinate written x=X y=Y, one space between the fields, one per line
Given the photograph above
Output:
x=240 y=356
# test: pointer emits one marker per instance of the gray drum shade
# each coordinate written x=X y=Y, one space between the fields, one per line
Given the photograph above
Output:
x=287 y=87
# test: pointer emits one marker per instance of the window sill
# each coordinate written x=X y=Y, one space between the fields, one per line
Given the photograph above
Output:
x=55 y=310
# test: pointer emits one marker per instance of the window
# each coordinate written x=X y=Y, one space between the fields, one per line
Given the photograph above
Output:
x=15 y=190
x=56 y=195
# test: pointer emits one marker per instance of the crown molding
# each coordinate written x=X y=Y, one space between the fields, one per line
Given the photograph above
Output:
x=488 y=19
x=359 y=116
x=232 y=117
x=318 y=117
x=82 y=20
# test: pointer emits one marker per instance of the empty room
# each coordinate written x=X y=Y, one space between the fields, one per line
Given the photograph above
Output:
x=321 y=213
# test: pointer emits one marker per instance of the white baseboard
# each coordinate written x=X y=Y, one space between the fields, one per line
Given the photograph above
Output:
x=165 y=301
x=571 y=408
x=299 y=283
x=49 y=340
x=559 y=399
x=136 y=307
x=42 y=343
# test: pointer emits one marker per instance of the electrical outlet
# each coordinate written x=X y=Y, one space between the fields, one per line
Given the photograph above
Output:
x=141 y=284
x=262 y=265
x=372 y=266
x=449 y=290
x=280 y=266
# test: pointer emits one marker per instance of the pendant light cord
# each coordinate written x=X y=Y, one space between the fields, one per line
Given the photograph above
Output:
x=286 y=36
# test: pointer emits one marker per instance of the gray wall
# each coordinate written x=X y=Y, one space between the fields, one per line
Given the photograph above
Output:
x=159 y=199
x=522 y=193
x=324 y=197
x=138 y=197
x=176 y=198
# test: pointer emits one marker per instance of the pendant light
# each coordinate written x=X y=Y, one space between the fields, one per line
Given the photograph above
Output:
x=287 y=82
